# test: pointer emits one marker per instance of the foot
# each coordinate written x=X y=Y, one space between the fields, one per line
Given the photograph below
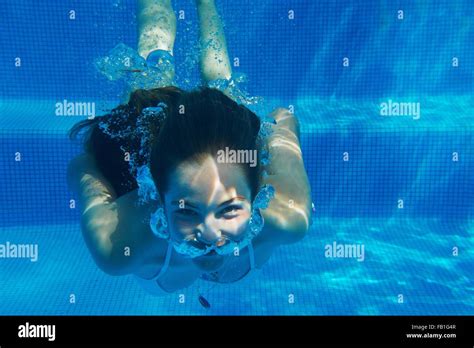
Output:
x=163 y=61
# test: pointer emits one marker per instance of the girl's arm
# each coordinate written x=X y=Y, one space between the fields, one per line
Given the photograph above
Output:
x=214 y=59
x=115 y=229
x=288 y=215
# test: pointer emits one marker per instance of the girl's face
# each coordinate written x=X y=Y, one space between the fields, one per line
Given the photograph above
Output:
x=206 y=203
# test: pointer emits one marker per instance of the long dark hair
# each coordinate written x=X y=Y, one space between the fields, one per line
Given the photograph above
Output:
x=196 y=123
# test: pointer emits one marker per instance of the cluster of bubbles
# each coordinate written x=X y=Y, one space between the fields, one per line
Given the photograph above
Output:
x=124 y=63
x=264 y=132
x=146 y=186
x=149 y=116
x=231 y=87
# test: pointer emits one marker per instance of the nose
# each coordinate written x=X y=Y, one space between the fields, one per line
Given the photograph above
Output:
x=210 y=236
x=209 y=232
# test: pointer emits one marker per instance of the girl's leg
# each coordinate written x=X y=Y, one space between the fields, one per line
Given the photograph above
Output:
x=214 y=60
x=156 y=26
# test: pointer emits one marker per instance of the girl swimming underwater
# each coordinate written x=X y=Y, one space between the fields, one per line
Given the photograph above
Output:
x=212 y=218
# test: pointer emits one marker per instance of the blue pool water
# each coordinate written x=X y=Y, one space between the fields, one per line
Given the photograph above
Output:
x=419 y=256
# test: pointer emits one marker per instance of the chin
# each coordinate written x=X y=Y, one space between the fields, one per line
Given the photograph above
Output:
x=209 y=263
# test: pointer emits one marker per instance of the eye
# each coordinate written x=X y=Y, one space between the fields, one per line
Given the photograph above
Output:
x=230 y=211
